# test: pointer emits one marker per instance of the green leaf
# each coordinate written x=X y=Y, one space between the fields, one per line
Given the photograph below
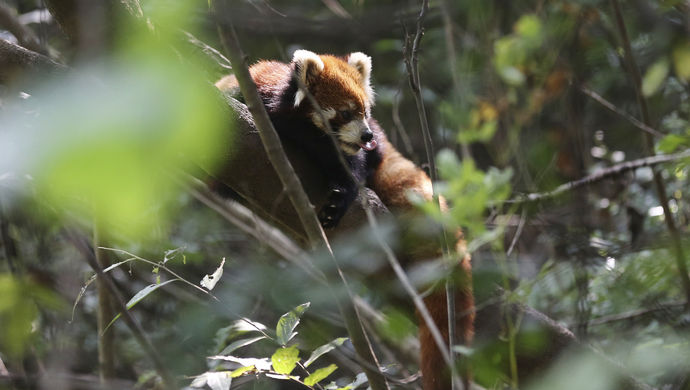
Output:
x=655 y=77
x=285 y=359
x=319 y=375
x=241 y=371
x=139 y=296
x=681 y=60
x=324 y=349
x=288 y=322
x=529 y=26
x=670 y=143
x=240 y=343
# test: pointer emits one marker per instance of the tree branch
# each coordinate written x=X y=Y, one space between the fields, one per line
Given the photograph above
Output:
x=24 y=35
x=600 y=175
x=23 y=69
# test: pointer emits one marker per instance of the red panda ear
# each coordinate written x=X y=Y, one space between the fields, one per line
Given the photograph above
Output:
x=362 y=63
x=308 y=66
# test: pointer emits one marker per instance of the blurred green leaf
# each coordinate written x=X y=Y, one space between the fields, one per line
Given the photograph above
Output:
x=655 y=77
x=671 y=142
x=681 y=60
x=529 y=26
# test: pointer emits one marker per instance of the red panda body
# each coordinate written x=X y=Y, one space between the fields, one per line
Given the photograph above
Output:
x=341 y=87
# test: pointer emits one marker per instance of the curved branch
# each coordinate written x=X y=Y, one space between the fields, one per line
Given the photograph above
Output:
x=24 y=68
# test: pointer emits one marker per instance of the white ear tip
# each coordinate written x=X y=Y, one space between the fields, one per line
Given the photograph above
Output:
x=306 y=56
x=360 y=60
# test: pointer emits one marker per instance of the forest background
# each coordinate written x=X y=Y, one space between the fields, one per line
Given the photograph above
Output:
x=559 y=131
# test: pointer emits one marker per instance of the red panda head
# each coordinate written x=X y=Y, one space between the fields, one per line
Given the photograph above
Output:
x=342 y=89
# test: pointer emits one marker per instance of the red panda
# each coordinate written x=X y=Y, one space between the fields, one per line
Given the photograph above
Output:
x=341 y=87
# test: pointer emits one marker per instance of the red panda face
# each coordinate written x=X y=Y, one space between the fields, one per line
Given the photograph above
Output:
x=341 y=88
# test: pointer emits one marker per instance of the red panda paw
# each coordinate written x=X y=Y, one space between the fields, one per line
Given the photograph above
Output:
x=336 y=206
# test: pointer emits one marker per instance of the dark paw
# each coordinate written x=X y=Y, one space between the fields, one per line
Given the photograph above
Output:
x=334 y=209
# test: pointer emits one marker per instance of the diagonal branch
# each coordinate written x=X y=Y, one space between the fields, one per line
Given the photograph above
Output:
x=270 y=139
x=22 y=68
x=620 y=112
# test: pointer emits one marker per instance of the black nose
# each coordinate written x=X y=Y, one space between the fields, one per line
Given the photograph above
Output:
x=368 y=136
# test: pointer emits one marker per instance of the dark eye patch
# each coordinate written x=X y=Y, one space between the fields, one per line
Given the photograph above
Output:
x=346 y=115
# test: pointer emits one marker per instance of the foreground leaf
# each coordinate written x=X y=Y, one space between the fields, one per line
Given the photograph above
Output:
x=319 y=375
x=324 y=349
x=215 y=380
x=240 y=343
x=139 y=296
x=209 y=281
x=260 y=364
x=285 y=359
x=288 y=322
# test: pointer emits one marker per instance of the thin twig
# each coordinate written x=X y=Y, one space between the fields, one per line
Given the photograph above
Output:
x=452 y=63
x=400 y=127
x=412 y=64
x=634 y=314
x=208 y=51
x=521 y=224
x=88 y=252
x=600 y=175
x=106 y=314
x=620 y=112
x=649 y=145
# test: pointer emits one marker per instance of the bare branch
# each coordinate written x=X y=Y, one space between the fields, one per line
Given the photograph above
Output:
x=600 y=175
x=22 y=68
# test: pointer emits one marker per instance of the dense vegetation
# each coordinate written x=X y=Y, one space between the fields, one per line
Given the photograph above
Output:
x=99 y=147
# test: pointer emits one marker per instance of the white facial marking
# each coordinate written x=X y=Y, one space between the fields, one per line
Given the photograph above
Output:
x=316 y=118
x=299 y=96
x=351 y=134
